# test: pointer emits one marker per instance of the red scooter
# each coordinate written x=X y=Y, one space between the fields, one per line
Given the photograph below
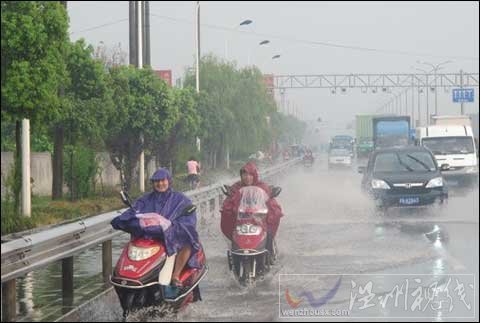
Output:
x=142 y=275
x=253 y=250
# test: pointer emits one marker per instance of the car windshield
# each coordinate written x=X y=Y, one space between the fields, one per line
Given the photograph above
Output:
x=449 y=145
x=339 y=152
x=404 y=161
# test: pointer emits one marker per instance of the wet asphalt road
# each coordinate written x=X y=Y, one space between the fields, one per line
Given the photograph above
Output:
x=331 y=237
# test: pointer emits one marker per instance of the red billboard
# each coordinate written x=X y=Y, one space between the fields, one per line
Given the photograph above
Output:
x=165 y=75
x=268 y=80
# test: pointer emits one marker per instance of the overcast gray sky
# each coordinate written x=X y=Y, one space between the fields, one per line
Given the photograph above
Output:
x=429 y=31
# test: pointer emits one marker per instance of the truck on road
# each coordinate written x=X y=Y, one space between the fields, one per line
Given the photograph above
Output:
x=391 y=131
x=364 y=134
x=452 y=141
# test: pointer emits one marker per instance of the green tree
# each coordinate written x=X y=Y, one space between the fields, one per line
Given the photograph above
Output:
x=215 y=105
x=288 y=129
x=87 y=105
x=253 y=107
x=143 y=107
x=33 y=37
x=235 y=107
x=184 y=130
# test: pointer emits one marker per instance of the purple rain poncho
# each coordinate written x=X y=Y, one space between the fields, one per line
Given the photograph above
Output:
x=182 y=230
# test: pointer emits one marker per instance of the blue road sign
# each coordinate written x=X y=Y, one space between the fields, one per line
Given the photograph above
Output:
x=462 y=95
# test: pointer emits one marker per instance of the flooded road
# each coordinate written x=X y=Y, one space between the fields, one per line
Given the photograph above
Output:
x=329 y=238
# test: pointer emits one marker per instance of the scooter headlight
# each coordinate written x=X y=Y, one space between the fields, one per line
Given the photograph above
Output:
x=248 y=229
x=138 y=254
x=254 y=229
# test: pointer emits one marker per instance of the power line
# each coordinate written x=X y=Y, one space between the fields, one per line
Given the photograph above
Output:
x=320 y=43
x=99 y=26
x=291 y=39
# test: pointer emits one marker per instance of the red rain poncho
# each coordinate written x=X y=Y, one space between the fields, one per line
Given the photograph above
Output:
x=230 y=205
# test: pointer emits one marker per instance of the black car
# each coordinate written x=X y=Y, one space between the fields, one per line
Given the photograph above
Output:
x=403 y=177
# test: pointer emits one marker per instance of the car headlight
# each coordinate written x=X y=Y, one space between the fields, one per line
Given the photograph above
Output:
x=435 y=182
x=380 y=184
x=248 y=229
x=138 y=254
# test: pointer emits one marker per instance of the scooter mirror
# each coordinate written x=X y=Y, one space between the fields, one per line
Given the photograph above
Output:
x=125 y=198
x=226 y=190
x=276 y=191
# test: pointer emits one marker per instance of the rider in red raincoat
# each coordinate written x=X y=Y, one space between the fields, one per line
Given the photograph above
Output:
x=249 y=176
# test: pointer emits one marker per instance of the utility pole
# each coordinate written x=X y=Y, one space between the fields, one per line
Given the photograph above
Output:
x=428 y=111
x=462 y=110
x=419 y=115
x=141 y=166
x=413 y=106
x=406 y=102
x=197 y=37
x=132 y=32
x=397 y=105
x=146 y=33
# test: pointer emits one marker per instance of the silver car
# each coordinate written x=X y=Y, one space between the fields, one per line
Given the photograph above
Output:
x=339 y=157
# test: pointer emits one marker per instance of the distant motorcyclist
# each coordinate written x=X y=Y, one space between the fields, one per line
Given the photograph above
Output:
x=308 y=156
x=249 y=177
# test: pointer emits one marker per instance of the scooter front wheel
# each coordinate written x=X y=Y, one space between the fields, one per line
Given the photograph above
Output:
x=243 y=270
x=126 y=300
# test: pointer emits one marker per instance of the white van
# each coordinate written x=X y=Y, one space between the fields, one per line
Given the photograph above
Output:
x=453 y=145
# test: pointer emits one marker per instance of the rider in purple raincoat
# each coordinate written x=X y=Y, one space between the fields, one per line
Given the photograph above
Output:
x=152 y=220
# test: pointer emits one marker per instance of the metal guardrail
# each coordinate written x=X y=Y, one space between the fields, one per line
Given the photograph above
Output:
x=27 y=253
x=23 y=255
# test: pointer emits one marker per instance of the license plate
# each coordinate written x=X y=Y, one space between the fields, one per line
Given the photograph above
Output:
x=409 y=200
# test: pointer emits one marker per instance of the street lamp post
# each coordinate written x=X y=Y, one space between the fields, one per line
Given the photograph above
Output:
x=263 y=42
x=419 y=116
x=243 y=23
x=274 y=57
x=427 y=122
x=413 y=105
x=435 y=69
x=406 y=102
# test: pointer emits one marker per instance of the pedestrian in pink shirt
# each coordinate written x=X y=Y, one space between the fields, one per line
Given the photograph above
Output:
x=193 y=169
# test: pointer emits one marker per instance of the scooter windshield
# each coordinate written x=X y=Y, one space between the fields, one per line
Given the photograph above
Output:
x=253 y=201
